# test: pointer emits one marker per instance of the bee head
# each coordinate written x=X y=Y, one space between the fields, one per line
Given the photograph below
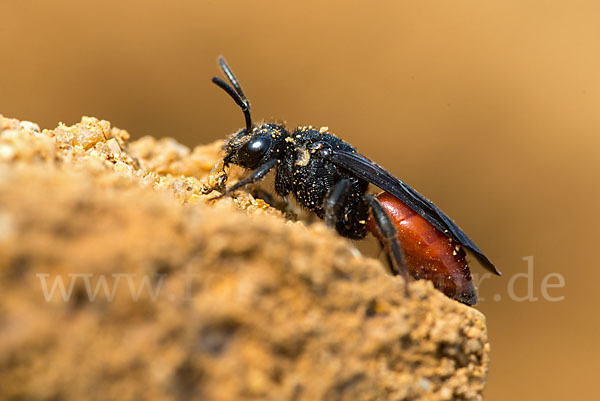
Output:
x=250 y=149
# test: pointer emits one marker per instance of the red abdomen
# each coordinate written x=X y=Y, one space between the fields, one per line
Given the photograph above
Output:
x=429 y=254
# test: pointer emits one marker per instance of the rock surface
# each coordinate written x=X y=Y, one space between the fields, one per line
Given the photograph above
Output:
x=166 y=296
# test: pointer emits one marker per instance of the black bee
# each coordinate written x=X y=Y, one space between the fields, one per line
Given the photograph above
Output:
x=328 y=177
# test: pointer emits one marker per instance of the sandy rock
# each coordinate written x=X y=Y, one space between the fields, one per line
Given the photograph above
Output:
x=167 y=296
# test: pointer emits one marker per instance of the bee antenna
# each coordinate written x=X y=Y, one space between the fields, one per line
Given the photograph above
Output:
x=235 y=92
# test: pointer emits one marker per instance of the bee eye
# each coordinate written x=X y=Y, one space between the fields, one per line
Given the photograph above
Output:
x=252 y=152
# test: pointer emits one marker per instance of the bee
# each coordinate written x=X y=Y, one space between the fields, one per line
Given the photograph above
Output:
x=330 y=178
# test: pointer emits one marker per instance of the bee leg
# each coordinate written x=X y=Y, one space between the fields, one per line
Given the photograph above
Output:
x=334 y=201
x=280 y=204
x=390 y=238
x=257 y=175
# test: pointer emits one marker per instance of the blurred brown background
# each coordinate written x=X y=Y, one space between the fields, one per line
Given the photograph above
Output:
x=488 y=108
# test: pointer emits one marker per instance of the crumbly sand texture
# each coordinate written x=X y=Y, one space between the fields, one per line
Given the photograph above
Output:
x=170 y=296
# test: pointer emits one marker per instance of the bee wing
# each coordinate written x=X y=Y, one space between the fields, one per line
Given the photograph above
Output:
x=380 y=177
